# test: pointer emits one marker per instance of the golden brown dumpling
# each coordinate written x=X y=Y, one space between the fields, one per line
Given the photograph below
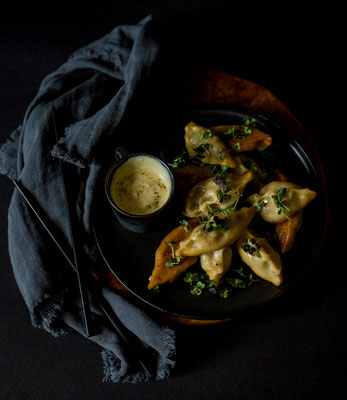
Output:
x=263 y=260
x=217 y=263
x=207 y=194
x=161 y=272
x=286 y=231
x=238 y=141
x=279 y=201
x=216 y=233
x=209 y=148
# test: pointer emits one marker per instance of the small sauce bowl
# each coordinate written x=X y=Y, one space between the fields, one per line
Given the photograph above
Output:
x=128 y=186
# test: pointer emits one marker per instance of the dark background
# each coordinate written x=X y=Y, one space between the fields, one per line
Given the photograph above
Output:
x=295 y=349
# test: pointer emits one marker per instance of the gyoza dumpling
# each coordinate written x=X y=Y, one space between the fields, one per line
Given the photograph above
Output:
x=280 y=200
x=209 y=148
x=164 y=269
x=240 y=141
x=217 y=263
x=216 y=193
x=263 y=260
x=216 y=233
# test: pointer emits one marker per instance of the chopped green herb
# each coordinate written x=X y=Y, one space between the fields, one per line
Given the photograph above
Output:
x=156 y=289
x=237 y=146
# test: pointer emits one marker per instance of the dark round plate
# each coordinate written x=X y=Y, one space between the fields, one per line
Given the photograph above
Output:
x=130 y=256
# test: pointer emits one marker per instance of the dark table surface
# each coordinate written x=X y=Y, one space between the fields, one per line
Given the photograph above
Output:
x=294 y=349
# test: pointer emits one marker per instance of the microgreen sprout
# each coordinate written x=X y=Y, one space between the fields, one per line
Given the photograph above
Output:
x=214 y=224
x=206 y=134
x=218 y=171
x=179 y=161
x=259 y=205
x=280 y=203
x=198 y=282
x=202 y=149
x=185 y=224
x=241 y=131
x=238 y=279
x=224 y=293
x=252 y=247
x=174 y=260
x=219 y=153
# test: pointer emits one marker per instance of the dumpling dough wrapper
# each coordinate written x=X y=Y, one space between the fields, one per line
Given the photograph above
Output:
x=217 y=263
x=295 y=198
x=261 y=257
x=202 y=241
x=215 y=150
x=205 y=195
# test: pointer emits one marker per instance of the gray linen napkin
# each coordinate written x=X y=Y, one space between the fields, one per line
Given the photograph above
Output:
x=92 y=93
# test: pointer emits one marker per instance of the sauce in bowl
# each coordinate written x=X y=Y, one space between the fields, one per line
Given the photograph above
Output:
x=141 y=185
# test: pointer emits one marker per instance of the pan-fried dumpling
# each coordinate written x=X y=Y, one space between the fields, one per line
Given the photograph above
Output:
x=263 y=260
x=279 y=201
x=219 y=194
x=200 y=142
x=238 y=140
x=217 y=263
x=167 y=269
x=219 y=231
x=287 y=230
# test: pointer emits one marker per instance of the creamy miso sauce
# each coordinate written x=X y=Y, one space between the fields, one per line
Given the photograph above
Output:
x=140 y=186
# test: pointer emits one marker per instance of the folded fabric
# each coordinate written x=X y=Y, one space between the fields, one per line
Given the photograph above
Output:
x=92 y=94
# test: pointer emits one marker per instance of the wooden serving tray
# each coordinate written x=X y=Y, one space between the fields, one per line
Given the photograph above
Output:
x=212 y=87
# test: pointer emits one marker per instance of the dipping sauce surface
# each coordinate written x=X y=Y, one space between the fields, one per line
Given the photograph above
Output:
x=140 y=186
